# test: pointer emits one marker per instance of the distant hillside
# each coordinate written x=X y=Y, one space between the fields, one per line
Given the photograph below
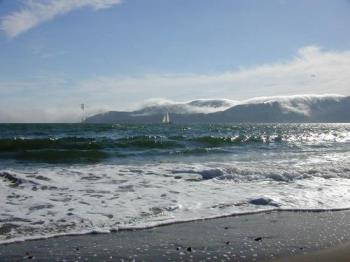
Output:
x=312 y=108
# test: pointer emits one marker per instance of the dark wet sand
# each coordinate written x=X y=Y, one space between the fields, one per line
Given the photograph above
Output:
x=338 y=254
x=260 y=237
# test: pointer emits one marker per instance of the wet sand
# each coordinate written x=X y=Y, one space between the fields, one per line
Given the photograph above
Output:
x=339 y=253
x=284 y=236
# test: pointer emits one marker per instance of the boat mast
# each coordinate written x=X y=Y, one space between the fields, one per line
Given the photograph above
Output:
x=82 y=107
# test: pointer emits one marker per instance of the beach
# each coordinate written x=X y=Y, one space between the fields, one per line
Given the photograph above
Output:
x=340 y=253
x=174 y=130
x=280 y=236
x=152 y=193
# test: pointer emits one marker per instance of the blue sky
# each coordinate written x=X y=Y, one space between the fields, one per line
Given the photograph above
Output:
x=112 y=54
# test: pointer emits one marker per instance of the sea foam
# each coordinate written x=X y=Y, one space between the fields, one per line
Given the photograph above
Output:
x=148 y=179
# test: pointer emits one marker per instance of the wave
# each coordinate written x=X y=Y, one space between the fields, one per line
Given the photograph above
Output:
x=146 y=142
x=162 y=141
x=96 y=149
x=79 y=143
x=89 y=150
x=17 y=144
x=69 y=149
x=240 y=173
x=237 y=140
x=240 y=169
x=78 y=149
x=59 y=156
x=46 y=200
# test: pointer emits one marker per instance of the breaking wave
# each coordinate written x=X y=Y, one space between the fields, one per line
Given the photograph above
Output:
x=75 y=179
x=43 y=202
x=223 y=139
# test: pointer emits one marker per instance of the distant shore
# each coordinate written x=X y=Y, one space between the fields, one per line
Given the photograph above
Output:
x=295 y=236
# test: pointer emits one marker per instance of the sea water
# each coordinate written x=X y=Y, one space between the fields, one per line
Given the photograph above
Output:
x=60 y=179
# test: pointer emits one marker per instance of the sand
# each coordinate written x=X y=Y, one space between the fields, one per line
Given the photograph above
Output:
x=284 y=236
x=339 y=253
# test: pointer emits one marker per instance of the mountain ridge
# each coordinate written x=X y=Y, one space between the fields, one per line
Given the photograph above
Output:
x=283 y=109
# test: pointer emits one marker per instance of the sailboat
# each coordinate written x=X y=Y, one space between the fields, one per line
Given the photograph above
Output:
x=166 y=119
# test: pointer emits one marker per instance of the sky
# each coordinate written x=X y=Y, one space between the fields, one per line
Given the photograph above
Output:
x=119 y=54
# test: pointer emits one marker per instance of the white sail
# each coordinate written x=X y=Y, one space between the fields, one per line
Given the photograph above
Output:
x=166 y=118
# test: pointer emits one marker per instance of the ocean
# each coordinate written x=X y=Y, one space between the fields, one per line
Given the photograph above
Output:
x=58 y=179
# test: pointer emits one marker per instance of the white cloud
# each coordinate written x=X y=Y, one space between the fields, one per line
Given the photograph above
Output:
x=311 y=71
x=35 y=12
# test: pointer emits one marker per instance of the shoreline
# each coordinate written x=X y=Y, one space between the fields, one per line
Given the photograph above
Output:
x=255 y=237
x=150 y=227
